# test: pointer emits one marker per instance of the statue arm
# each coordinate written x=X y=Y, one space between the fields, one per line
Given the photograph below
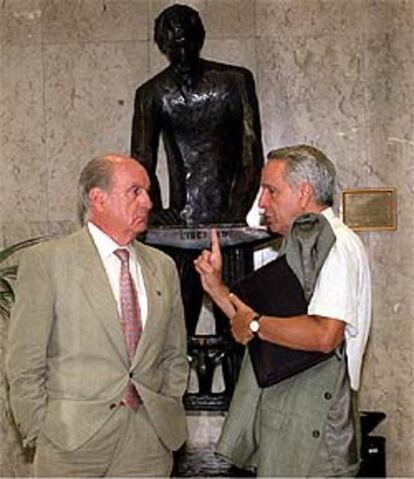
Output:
x=145 y=136
x=247 y=180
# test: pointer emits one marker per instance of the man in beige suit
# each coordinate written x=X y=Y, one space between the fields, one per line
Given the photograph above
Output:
x=69 y=365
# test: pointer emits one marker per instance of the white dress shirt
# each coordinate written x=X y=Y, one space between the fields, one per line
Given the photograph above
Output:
x=106 y=247
x=343 y=291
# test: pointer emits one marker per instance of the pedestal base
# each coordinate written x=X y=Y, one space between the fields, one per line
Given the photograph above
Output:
x=202 y=462
x=197 y=458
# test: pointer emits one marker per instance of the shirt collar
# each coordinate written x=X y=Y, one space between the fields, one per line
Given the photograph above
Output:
x=104 y=243
x=328 y=213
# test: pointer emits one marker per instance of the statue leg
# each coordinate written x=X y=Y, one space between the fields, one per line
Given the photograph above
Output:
x=192 y=294
x=191 y=290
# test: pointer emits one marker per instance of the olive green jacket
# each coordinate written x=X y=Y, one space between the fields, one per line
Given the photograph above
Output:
x=282 y=430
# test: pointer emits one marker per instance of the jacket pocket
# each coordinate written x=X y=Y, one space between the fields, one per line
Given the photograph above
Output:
x=272 y=418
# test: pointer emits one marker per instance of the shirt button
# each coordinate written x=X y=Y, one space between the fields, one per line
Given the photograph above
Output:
x=328 y=396
x=316 y=433
x=112 y=406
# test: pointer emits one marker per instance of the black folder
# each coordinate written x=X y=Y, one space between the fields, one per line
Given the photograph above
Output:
x=274 y=290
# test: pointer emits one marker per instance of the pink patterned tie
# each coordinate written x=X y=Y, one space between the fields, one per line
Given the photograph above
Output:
x=131 y=320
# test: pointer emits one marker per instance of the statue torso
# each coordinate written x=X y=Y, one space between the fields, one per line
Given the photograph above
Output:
x=202 y=129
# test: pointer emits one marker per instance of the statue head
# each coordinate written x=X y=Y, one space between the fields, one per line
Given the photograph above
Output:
x=179 y=34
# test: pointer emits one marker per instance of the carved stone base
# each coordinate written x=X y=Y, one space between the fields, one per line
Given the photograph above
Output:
x=202 y=462
x=206 y=354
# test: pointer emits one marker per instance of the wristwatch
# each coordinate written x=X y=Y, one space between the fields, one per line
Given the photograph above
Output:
x=255 y=324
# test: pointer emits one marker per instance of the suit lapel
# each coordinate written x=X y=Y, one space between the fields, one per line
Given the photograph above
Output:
x=154 y=295
x=97 y=289
x=98 y=292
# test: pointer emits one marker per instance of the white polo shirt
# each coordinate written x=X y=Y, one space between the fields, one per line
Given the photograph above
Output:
x=106 y=247
x=343 y=291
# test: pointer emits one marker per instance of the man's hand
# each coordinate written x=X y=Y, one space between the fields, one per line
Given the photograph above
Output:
x=209 y=265
x=240 y=322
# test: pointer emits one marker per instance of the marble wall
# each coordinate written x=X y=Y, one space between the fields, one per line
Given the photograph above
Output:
x=335 y=73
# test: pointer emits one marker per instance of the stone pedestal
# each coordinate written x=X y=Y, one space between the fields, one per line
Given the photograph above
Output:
x=214 y=356
x=197 y=458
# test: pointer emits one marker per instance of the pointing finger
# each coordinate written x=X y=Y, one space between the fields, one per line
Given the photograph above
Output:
x=215 y=243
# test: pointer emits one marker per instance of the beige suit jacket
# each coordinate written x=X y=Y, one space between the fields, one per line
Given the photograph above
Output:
x=67 y=362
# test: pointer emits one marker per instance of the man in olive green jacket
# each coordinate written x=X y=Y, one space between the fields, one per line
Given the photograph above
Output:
x=305 y=425
x=67 y=360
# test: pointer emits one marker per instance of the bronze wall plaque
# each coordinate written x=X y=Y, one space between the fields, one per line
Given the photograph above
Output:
x=370 y=209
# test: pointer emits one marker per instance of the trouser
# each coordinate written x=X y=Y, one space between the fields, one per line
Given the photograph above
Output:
x=125 y=446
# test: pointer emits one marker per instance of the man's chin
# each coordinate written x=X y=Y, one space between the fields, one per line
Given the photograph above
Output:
x=272 y=228
x=140 y=226
x=268 y=225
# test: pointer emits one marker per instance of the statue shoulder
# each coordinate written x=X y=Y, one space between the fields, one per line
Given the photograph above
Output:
x=227 y=69
x=155 y=83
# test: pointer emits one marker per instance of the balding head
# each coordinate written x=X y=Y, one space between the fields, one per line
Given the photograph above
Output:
x=113 y=194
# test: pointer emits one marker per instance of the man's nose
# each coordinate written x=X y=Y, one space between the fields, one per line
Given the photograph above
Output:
x=146 y=200
x=263 y=199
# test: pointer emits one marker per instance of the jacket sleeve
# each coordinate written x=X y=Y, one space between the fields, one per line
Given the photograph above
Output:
x=30 y=327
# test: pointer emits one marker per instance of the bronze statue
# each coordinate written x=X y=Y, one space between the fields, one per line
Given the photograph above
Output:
x=207 y=114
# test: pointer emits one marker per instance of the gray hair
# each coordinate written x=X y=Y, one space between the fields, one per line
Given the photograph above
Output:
x=96 y=174
x=307 y=163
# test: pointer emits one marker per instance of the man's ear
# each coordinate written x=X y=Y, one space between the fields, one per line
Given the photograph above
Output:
x=97 y=199
x=307 y=194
